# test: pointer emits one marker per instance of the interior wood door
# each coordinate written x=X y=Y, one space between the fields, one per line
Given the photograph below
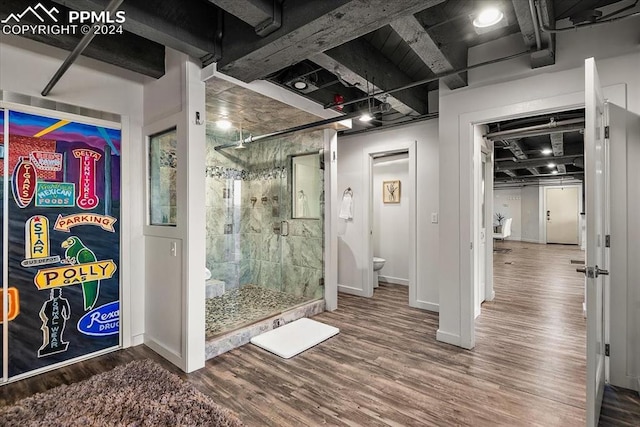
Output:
x=597 y=213
x=562 y=215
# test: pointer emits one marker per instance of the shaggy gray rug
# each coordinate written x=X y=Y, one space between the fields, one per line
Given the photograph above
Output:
x=140 y=393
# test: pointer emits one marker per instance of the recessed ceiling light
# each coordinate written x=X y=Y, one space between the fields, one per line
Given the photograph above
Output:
x=488 y=17
x=300 y=84
x=223 y=124
x=366 y=117
x=547 y=151
x=551 y=165
x=554 y=172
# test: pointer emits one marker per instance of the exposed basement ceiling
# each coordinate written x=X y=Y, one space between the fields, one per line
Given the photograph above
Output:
x=328 y=50
x=538 y=149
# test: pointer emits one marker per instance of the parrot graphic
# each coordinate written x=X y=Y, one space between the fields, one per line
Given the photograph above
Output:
x=77 y=253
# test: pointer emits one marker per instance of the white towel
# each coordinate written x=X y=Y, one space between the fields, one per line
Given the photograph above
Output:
x=346 y=207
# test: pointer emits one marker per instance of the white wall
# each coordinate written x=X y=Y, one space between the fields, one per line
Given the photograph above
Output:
x=507 y=201
x=391 y=220
x=175 y=292
x=353 y=262
x=514 y=89
x=26 y=67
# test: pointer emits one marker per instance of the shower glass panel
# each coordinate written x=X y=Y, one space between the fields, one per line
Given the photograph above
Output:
x=262 y=260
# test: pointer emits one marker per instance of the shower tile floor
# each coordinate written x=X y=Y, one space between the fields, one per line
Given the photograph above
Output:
x=245 y=305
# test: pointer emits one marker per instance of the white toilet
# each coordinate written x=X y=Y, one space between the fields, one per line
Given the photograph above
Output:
x=378 y=263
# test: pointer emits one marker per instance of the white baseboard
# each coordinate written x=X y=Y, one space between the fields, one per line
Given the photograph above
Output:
x=531 y=241
x=172 y=357
x=137 y=340
x=426 y=305
x=394 y=280
x=448 y=338
x=352 y=291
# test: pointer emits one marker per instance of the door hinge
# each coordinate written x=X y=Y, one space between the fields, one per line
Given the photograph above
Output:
x=607 y=241
x=606 y=132
x=606 y=349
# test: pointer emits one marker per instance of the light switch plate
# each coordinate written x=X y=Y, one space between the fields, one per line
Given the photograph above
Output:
x=434 y=217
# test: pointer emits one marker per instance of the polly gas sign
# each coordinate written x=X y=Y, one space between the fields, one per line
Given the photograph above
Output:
x=24 y=182
x=101 y=321
x=87 y=197
x=74 y=275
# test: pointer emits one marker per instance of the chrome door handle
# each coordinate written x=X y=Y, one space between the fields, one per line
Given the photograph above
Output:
x=592 y=272
x=599 y=271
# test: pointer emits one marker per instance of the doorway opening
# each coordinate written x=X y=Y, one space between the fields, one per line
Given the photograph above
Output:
x=529 y=179
x=390 y=225
x=391 y=219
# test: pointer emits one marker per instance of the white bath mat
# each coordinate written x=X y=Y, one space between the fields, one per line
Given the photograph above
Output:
x=295 y=337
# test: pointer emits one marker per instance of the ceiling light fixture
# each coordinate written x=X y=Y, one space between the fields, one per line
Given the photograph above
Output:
x=366 y=117
x=300 y=84
x=488 y=17
x=551 y=165
x=223 y=124
x=546 y=151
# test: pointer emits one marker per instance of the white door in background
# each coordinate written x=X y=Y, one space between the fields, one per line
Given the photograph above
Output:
x=483 y=233
x=562 y=215
x=596 y=152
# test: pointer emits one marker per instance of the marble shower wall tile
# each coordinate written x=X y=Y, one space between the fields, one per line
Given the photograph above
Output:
x=216 y=219
x=301 y=281
x=270 y=275
x=306 y=228
x=254 y=253
x=303 y=252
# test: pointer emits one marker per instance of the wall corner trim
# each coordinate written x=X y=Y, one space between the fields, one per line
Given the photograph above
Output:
x=426 y=305
x=351 y=290
x=449 y=338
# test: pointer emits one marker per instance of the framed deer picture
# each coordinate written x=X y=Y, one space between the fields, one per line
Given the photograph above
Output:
x=391 y=191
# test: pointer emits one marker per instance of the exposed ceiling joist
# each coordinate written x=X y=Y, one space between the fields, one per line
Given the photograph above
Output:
x=511 y=173
x=534 y=163
x=518 y=151
x=516 y=148
x=532 y=35
x=126 y=50
x=547 y=55
x=533 y=171
x=525 y=21
x=253 y=12
x=427 y=49
x=353 y=78
x=557 y=143
x=193 y=30
x=365 y=61
x=308 y=28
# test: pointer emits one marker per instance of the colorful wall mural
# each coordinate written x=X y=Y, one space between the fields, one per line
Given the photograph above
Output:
x=63 y=211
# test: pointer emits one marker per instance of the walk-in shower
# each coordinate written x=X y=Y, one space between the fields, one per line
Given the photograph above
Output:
x=264 y=225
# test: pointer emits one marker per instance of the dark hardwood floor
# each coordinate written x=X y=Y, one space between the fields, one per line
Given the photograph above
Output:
x=385 y=368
